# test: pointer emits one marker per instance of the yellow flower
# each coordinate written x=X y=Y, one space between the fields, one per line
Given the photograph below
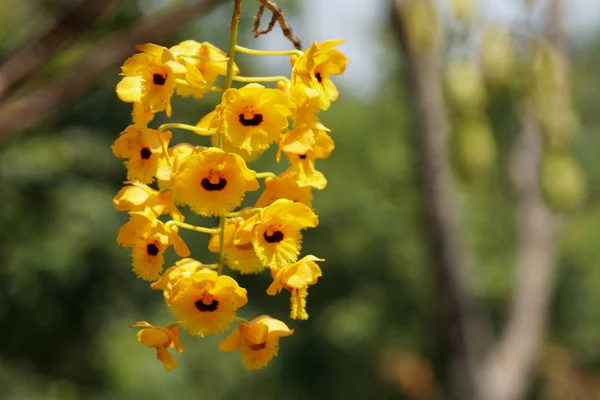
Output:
x=160 y=339
x=275 y=232
x=302 y=147
x=150 y=78
x=307 y=104
x=138 y=197
x=296 y=278
x=143 y=148
x=258 y=340
x=254 y=116
x=314 y=67
x=183 y=268
x=206 y=302
x=213 y=182
x=167 y=169
x=149 y=238
x=211 y=122
x=141 y=114
x=207 y=59
x=148 y=255
x=284 y=186
x=242 y=257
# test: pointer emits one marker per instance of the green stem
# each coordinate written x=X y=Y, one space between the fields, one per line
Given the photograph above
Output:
x=189 y=227
x=265 y=175
x=192 y=128
x=233 y=37
x=243 y=213
x=259 y=78
x=268 y=52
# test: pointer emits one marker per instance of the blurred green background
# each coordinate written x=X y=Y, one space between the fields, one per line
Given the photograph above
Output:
x=67 y=293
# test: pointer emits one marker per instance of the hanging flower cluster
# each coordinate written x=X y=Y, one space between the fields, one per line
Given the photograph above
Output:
x=212 y=180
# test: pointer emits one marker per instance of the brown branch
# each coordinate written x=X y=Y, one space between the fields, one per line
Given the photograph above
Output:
x=507 y=370
x=278 y=16
x=91 y=68
x=448 y=254
x=31 y=56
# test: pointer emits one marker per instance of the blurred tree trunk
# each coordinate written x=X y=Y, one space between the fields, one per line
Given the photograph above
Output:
x=507 y=370
x=459 y=330
x=505 y=373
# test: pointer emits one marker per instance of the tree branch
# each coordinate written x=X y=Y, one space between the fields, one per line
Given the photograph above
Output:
x=461 y=322
x=507 y=370
x=34 y=54
x=92 y=67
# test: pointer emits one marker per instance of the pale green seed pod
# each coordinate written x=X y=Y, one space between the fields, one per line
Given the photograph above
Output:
x=421 y=24
x=473 y=150
x=551 y=95
x=463 y=10
x=497 y=56
x=563 y=181
x=465 y=86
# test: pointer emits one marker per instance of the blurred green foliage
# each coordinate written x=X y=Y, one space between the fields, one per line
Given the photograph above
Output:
x=67 y=293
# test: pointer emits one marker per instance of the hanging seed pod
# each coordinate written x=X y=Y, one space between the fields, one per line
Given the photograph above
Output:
x=421 y=24
x=563 y=182
x=463 y=11
x=497 y=56
x=551 y=95
x=473 y=149
x=465 y=86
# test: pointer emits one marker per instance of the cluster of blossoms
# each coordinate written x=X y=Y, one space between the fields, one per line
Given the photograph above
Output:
x=212 y=181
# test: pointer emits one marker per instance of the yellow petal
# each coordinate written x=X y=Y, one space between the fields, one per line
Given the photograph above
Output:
x=231 y=342
x=153 y=337
x=179 y=245
x=141 y=323
x=131 y=196
x=129 y=89
x=150 y=48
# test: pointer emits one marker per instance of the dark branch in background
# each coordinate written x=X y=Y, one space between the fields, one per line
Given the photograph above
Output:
x=507 y=371
x=41 y=48
x=460 y=328
x=92 y=67
x=278 y=16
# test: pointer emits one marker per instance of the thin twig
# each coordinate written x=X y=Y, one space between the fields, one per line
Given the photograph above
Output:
x=31 y=56
x=278 y=16
x=25 y=110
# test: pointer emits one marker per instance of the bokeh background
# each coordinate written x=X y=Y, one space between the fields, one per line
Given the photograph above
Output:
x=376 y=327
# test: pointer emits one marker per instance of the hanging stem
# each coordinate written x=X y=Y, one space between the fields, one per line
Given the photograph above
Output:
x=235 y=22
x=192 y=128
x=259 y=78
x=265 y=175
x=189 y=227
x=244 y=213
x=268 y=52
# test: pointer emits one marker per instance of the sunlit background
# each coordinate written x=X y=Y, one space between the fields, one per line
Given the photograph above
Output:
x=67 y=292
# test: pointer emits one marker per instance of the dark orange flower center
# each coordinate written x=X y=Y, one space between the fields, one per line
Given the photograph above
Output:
x=159 y=79
x=145 y=153
x=256 y=120
x=318 y=76
x=209 y=186
x=151 y=249
x=273 y=236
x=259 y=346
x=206 y=307
x=302 y=156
